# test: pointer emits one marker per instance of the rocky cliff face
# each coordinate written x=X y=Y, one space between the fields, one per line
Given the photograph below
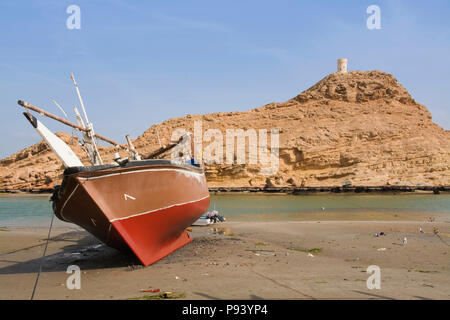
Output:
x=358 y=127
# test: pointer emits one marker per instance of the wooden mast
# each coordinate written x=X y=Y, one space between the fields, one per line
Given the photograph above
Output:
x=27 y=105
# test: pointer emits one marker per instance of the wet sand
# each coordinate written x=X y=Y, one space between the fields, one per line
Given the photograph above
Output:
x=240 y=260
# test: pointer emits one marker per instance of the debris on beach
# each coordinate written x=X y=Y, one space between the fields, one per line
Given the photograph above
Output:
x=405 y=241
x=202 y=221
x=221 y=231
x=310 y=255
x=209 y=218
x=134 y=267
x=265 y=253
x=420 y=230
x=381 y=249
x=150 y=290
x=162 y=296
x=215 y=217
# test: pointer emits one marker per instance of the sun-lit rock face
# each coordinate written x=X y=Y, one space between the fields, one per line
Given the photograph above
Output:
x=358 y=127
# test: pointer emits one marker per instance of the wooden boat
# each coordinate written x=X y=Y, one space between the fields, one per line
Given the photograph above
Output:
x=140 y=205
x=145 y=205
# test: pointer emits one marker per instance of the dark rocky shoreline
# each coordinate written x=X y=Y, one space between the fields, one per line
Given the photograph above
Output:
x=292 y=190
x=355 y=189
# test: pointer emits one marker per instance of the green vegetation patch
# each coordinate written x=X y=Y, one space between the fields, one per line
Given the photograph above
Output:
x=426 y=271
x=313 y=250
x=162 y=296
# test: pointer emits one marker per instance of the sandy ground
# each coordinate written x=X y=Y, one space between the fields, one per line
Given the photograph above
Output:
x=240 y=260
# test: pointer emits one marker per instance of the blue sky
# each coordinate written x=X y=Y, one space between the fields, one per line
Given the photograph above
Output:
x=141 y=62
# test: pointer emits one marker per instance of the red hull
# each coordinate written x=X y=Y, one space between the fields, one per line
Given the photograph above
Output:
x=152 y=230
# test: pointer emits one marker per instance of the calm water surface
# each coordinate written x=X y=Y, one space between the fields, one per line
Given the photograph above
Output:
x=330 y=206
x=36 y=210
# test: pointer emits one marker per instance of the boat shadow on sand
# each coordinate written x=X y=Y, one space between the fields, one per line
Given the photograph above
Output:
x=82 y=249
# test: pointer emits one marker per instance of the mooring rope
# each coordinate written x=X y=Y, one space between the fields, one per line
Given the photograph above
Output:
x=42 y=258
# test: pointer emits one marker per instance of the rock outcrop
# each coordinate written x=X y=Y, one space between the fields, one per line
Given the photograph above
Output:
x=358 y=128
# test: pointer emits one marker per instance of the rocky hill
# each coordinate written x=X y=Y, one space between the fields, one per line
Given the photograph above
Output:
x=362 y=128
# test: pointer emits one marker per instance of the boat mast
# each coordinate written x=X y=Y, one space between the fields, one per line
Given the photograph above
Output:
x=42 y=112
x=89 y=135
x=134 y=154
x=86 y=146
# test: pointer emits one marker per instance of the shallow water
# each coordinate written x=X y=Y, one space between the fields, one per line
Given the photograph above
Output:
x=25 y=210
x=330 y=206
x=35 y=210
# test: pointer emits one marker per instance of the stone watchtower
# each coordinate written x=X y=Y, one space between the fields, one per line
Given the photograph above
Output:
x=342 y=65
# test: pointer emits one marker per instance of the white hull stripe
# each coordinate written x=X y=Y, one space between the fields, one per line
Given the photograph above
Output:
x=173 y=205
x=134 y=171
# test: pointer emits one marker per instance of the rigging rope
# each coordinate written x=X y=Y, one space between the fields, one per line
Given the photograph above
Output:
x=42 y=258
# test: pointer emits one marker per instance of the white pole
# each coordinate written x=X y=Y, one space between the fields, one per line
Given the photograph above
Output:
x=79 y=97
x=79 y=118
x=89 y=126
x=60 y=108
x=134 y=153
x=159 y=140
x=87 y=146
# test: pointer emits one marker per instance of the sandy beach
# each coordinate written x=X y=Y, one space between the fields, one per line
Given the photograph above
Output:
x=315 y=259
